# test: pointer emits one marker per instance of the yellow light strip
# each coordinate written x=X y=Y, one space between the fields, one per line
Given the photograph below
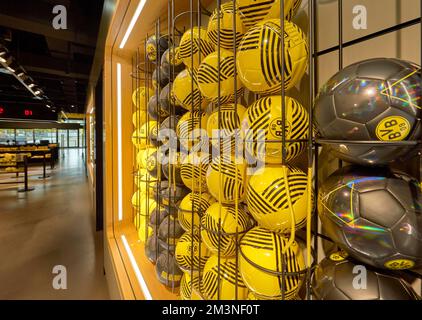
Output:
x=132 y=23
x=138 y=272
x=119 y=142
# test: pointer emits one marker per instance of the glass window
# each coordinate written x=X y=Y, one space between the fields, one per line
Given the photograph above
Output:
x=45 y=135
x=7 y=136
x=63 y=138
x=73 y=138
x=25 y=136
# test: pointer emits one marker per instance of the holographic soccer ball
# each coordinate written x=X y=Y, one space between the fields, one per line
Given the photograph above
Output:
x=375 y=215
x=376 y=100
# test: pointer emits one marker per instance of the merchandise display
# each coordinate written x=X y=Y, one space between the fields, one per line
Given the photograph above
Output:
x=244 y=174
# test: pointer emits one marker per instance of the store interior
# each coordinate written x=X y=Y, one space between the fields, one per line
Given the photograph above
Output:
x=211 y=150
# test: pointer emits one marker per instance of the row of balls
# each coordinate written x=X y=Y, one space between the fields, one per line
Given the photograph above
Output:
x=257 y=129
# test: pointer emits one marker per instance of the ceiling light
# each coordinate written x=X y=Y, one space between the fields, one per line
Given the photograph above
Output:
x=132 y=23
x=20 y=75
x=37 y=92
x=11 y=69
x=48 y=106
x=2 y=60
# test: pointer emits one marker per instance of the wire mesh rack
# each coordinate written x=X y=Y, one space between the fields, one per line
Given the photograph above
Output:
x=160 y=190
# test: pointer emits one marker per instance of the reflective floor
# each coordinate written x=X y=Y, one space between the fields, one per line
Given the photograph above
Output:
x=54 y=225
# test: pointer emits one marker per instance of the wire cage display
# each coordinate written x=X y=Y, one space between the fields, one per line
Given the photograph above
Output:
x=225 y=174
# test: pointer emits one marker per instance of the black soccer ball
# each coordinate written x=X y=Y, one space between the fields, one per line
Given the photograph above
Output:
x=374 y=100
x=375 y=215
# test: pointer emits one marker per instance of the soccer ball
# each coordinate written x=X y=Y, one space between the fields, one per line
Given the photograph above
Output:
x=155 y=48
x=186 y=96
x=167 y=271
x=373 y=100
x=223 y=128
x=268 y=199
x=294 y=9
x=159 y=83
x=265 y=249
x=208 y=78
x=196 y=204
x=154 y=109
x=226 y=26
x=141 y=96
x=375 y=215
x=191 y=130
x=232 y=221
x=188 y=282
x=171 y=63
x=259 y=58
x=195 y=46
x=221 y=279
x=194 y=171
x=254 y=11
x=191 y=254
x=262 y=127
x=221 y=178
x=334 y=279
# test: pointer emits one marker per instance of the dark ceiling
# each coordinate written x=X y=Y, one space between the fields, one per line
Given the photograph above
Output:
x=59 y=61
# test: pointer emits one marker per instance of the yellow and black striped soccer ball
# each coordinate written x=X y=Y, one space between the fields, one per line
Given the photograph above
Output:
x=221 y=279
x=226 y=178
x=223 y=128
x=255 y=11
x=191 y=253
x=259 y=59
x=143 y=155
x=262 y=128
x=139 y=118
x=191 y=130
x=140 y=97
x=232 y=221
x=265 y=249
x=144 y=181
x=188 y=283
x=194 y=203
x=208 y=74
x=226 y=25
x=142 y=136
x=143 y=203
x=195 y=46
x=268 y=198
x=194 y=171
x=186 y=91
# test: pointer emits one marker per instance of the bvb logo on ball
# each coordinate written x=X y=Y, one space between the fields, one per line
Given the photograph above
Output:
x=221 y=280
x=232 y=221
x=194 y=46
x=226 y=179
x=262 y=128
x=196 y=204
x=156 y=48
x=191 y=254
x=269 y=197
x=171 y=62
x=259 y=59
x=265 y=249
x=208 y=74
x=226 y=26
x=182 y=91
x=254 y=11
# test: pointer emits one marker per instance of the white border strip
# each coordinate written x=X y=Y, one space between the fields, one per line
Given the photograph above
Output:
x=119 y=142
x=135 y=267
x=132 y=23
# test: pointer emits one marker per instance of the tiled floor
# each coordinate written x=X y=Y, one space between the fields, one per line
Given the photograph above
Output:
x=53 y=225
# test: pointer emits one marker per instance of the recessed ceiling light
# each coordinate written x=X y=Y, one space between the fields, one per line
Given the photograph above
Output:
x=37 y=92
x=48 y=106
x=11 y=69
x=31 y=85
